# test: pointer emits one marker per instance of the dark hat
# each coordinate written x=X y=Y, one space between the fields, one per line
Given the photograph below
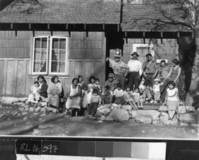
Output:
x=135 y=53
x=117 y=53
x=149 y=54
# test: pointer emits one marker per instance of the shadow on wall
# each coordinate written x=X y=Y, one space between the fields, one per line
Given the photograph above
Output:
x=4 y=3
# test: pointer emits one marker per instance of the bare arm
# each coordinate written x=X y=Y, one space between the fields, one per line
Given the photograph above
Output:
x=179 y=72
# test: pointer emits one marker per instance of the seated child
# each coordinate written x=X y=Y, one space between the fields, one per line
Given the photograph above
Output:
x=106 y=96
x=156 y=90
x=34 y=96
x=147 y=92
x=128 y=97
x=137 y=98
x=172 y=99
x=118 y=95
x=97 y=85
x=95 y=102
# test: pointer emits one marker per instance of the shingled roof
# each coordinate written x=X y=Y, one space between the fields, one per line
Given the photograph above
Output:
x=152 y=18
x=63 y=12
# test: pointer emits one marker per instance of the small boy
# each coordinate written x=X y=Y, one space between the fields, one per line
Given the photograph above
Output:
x=118 y=95
x=97 y=85
x=156 y=90
x=95 y=102
x=147 y=93
x=106 y=96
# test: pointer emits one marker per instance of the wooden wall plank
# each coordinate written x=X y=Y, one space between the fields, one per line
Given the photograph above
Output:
x=89 y=70
x=5 y=76
x=2 y=64
x=78 y=68
x=21 y=78
x=10 y=80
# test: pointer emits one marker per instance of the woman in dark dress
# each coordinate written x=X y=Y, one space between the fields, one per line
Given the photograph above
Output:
x=43 y=86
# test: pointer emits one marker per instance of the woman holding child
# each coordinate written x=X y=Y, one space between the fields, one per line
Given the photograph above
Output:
x=54 y=90
x=43 y=86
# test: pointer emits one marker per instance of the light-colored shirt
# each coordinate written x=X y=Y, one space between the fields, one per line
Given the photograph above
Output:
x=135 y=66
x=118 y=93
x=156 y=87
x=119 y=68
x=136 y=96
x=172 y=94
x=95 y=99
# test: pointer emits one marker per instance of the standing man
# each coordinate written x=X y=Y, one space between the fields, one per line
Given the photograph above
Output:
x=135 y=71
x=120 y=69
x=150 y=68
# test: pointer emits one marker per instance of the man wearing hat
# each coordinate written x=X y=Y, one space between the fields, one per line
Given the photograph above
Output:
x=120 y=69
x=150 y=68
x=135 y=71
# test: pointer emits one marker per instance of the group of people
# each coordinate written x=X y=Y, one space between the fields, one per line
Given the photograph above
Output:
x=156 y=83
x=133 y=83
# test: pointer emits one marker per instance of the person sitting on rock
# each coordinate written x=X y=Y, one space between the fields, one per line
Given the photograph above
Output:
x=172 y=99
x=95 y=102
x=34 y=96
x=118 y=95
x=128 y=97
x=106 y=96
x=137 y=98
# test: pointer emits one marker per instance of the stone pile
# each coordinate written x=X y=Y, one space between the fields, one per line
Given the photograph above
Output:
x=187 y=115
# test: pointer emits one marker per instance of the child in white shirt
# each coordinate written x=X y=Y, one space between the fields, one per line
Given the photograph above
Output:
x=34 y=96
x=156 y=90
x=118 y=95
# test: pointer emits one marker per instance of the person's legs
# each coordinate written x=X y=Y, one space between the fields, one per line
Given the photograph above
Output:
x=89 y=108
x=94 y=108
x=163 y=91
x=131 y=80
x=123 y=81
x=136 y=79
x=148 y=94
x=171 y=114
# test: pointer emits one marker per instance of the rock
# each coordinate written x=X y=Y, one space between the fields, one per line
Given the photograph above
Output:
x=21 y=109
x=28 y=122
x=35 y=114
x=184 y=124
x=43 y=110
x=195 y=125
x=31 y=109
x=26 y=109
x=193 y=131
x=182 y=109
x=163 y=108
x=190 y=108
x=2 y=115
x=8 y=112
x=37 y=109
x=102 y=118
x=25 y=118
x=1 y=106
x=20 y=104
x=115 y=106
x=24 y=113
x=165 y=120
x=143 y=119
x=41 y=119
x=42 y=115
x=109 y=118
x=119 y=115
x=15 y=113
x=105 y=111
x=43 y=126
x=189 y=118
x=127 y=107
x=154 y=114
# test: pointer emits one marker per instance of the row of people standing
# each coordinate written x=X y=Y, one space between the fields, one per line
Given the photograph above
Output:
x=132 y=73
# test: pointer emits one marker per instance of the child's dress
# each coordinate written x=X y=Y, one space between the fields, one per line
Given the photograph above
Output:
x=172 y=99
x=156 y=91
x=34 y=96
x=128 y=96
x=118 y=96
x=137 y=97
x=84 y=99
x=54 y=91
x=147 y=93
x=95 y=102
x=90 y=92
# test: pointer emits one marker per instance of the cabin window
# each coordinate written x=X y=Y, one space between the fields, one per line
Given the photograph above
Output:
x=50 y=55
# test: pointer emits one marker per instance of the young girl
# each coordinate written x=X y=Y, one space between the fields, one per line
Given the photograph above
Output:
x=118 y=95
x=147 y=96
x=95 y=102
x=90 y=86
x=81 y=82
x=172 y=99
x=156 y=90
x=128 y=97
x=137 y=98
x=106 y=96
x=34 y=96
x=97 y=85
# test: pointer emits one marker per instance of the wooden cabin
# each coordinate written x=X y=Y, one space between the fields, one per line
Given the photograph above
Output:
x=70 y=38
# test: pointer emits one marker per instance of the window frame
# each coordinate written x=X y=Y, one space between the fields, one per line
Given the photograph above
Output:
x=66 y=56
x=47 y=56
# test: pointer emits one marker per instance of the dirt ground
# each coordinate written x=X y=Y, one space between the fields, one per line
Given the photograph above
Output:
x=14 y=122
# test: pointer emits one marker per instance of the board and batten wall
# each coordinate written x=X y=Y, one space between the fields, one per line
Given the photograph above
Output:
x=86 y=57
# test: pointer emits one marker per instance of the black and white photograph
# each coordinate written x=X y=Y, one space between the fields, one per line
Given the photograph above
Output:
x=99 y=69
